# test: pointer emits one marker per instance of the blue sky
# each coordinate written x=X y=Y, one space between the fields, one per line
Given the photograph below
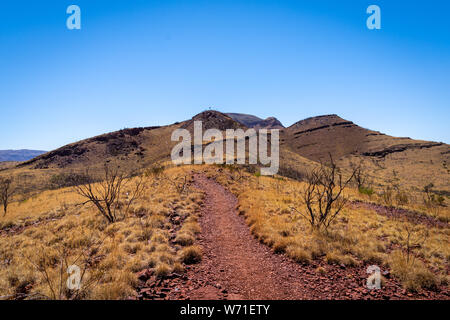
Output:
x=141 y=63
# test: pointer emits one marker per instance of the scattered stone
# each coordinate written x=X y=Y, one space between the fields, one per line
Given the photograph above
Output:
x=144 y=275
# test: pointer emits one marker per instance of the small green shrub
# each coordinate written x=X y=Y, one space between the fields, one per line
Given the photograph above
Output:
x=366 y=190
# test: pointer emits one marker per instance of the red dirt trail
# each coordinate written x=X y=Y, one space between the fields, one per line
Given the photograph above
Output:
x=246 y=268
x=236 y=266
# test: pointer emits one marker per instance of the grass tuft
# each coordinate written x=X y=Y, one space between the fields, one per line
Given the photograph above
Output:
x=191 y=255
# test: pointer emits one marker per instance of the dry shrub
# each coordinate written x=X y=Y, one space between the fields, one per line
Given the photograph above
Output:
x=184 y=239
x=191 y=255
x=106 y=194
x=191 y=226
x=413 y=274
x=280 y=246
x=6 y=192
x=337 y=258
x=162 y=270
x=323 y=195
x=178 y=267
x=120 y=287
x=298 y=254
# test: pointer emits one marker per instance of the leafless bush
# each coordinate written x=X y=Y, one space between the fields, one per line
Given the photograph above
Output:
x=236 y=173
x=137 y=191
x=431 y=199
x=179 y=183
x=56 y=273
x=387 y=196
x=106 y=194
x=6 y=192
x=412 y=238
x=360 y=176
x=412 y=272
x=156 y=175
x=323 y=195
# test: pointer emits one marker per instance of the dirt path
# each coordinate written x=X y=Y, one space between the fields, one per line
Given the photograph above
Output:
x=236 y=266
x=246 y=268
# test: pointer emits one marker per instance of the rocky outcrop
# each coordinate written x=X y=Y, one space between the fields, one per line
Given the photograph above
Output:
x=400 y=148
x=212 y=119
x=116 y=143
x=251 y=121
x=269 y=123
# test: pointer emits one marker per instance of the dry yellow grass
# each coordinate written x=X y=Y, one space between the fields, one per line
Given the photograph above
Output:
x=52 y=222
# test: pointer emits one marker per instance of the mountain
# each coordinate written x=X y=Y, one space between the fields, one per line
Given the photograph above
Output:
x=316 y=137
x=214 y=119
x=251 y=121
x=414 y=163
x=19 y=155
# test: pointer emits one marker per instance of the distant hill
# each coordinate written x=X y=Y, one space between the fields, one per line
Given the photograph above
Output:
x=251 y=121
x=414 y=162
x=316 y=137
x=19 y=155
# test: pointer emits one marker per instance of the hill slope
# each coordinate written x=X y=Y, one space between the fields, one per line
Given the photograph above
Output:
x=414 y=162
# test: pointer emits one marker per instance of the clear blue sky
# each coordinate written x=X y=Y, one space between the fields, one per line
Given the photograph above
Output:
x=141 y=63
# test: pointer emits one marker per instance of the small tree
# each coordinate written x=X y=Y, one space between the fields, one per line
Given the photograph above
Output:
x=6 y=192
x=387 y=196
x=361 y=179
x=411 y=239
x=323 y=195
x=428 y=199
x=360 y=176
x=431 y=199
x=180 y=183
x=105 y=195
